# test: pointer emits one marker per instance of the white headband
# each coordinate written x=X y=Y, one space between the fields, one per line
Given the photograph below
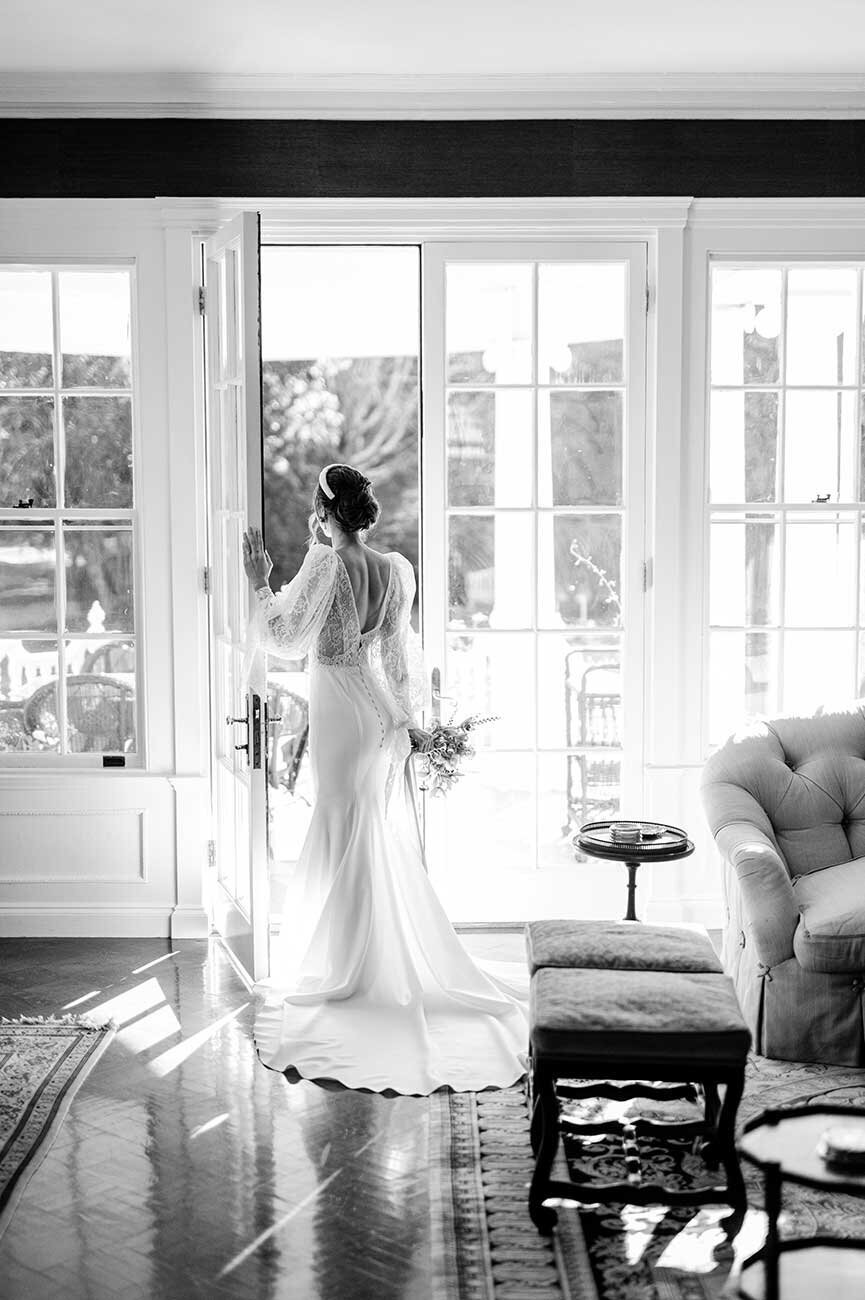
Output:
x=322 y=480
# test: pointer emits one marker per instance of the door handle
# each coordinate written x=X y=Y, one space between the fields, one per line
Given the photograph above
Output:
x=230 y=722
x=253 y=731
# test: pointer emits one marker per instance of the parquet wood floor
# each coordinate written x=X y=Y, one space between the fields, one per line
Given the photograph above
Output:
x=185 y=1169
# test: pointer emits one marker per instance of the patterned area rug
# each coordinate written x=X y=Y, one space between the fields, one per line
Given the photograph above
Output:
x=486 y=1247
x=42 y=1065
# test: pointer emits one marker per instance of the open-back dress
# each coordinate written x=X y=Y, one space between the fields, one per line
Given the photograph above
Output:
x=370 y=984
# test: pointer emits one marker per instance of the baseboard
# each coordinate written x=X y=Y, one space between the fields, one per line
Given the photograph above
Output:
x=189 y=923
x=86 y=923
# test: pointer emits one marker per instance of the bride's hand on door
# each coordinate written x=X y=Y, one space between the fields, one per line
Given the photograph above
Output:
x=257 y=563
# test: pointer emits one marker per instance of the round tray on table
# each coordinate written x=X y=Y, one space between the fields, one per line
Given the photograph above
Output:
x=657 y=842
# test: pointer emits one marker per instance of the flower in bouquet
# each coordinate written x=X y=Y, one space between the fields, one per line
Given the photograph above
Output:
x=451 y=745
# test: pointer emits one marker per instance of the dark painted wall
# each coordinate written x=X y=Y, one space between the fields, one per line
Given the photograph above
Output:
x=126 y=158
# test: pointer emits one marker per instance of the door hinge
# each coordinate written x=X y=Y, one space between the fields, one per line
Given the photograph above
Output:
x=650 y=297
x=205 y=575
x=211 y=853
x=648 y=573
x=202 y=299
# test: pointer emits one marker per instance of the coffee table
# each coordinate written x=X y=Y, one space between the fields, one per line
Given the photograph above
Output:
x=596 y=840
x=783 y=1145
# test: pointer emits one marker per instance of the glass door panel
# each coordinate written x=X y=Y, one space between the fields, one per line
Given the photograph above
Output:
x=533 y=549
x=233 y=404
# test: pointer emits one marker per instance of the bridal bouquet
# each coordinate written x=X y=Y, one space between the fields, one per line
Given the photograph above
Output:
x=450 y=745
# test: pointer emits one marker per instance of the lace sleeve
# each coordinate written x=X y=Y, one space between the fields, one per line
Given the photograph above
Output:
x=401 y=652
x=287 y=623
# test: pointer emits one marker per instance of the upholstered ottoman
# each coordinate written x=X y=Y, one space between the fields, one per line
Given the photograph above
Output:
x=619 y=945
x=669 y=1026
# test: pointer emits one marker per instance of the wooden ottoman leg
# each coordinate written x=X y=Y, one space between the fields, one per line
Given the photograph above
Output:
x=536 y=1128
x=710 y=1147
x=727 y=1141
x=546 y=1108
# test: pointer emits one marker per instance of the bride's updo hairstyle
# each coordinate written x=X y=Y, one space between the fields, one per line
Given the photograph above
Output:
x=347 y=495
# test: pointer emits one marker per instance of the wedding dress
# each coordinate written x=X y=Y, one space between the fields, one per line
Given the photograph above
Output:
x=370 y=984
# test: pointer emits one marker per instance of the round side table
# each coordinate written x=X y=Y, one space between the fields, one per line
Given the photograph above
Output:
x=783 y=1145
x=667 y=843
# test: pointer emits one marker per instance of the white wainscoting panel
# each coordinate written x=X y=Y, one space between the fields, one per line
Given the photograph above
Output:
x=74 y=845
x=84 y=853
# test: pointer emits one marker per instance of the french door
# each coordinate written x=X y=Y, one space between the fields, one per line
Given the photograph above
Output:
x=534 y=364
x=238 y=712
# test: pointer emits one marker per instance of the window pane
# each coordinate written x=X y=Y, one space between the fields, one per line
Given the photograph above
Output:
x=489 y=570
x=98 y=451
x=744 y=571
x=26 y=451
x=493 y=673
x=238 y=589
x=746 y=324
x=581 y=323
x=579 y=690
x=820 y=446
x=27 y=566
x=580 y=448
x=25 y=666
x=743 y=446
x=490 y=448
x=94 y=329
x=819 y=669
x=100 y=697
x=228 y=422
x=98 y=579
x=821 y=325
x=574 y=789
x=821 y=571
x=579 y=570
x=26 y=329
x=860 y=678
x=489 y=324
x=743 y=680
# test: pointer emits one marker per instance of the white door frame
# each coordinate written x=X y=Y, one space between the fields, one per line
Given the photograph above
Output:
x=660 y=223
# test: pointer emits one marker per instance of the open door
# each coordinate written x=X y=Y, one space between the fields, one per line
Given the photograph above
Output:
x=233 y=411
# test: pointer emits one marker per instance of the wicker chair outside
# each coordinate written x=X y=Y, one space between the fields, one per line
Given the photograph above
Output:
x=289 y=736
x=100 y=713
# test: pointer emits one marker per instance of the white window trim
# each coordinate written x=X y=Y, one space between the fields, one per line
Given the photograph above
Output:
x=44 y=760
x=781 y=508
x=806 y=235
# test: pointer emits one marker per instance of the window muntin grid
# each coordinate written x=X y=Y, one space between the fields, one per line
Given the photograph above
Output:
x=784 y=504
x=69 y=677
x=515 y=638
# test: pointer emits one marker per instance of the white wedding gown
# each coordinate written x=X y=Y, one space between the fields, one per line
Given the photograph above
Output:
x=370 y=983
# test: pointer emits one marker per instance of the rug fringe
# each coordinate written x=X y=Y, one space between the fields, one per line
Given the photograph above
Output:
x=86 y=1022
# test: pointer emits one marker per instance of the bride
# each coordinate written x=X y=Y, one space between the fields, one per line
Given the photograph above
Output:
x=370 y=984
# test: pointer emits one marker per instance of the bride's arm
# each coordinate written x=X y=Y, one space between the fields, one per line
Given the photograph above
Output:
x=287 y=623
x=401 y=652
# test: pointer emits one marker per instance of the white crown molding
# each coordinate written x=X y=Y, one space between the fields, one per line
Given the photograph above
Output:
x=335 y=220
x=431 y=96
x=778 y=213
x=378 y=220
x=347 y=220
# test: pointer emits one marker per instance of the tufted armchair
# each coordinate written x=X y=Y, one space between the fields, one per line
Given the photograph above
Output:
x=786 y=804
